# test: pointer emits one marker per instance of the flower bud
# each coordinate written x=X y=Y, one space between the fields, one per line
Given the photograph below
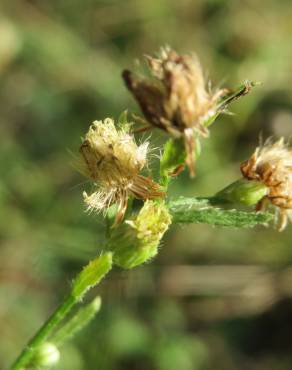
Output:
x=46 y=355
x=243 y=192
x=136 y=241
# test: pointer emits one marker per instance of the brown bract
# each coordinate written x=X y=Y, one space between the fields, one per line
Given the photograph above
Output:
x=271 y=164
x=175 y=98
x=113 y=161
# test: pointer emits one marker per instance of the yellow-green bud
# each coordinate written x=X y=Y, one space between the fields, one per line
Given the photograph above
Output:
x=136 y=241
x=46 y=355
x=245 y=192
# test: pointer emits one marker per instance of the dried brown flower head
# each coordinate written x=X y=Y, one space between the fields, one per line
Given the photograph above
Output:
x=111 y=158
x=271 y=164
x=175 y=99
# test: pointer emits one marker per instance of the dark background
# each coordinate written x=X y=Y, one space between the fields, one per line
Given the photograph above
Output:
x=214 y=298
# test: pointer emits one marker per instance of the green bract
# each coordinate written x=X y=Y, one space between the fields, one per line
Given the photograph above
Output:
x=245 y=192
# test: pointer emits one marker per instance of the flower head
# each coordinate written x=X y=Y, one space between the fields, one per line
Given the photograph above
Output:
x=113 y=161
x=175 y=99
x=137 y=240
x=271 y=164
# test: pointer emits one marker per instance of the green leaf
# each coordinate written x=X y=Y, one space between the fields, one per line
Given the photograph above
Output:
x=82 y=317
x=91 y=275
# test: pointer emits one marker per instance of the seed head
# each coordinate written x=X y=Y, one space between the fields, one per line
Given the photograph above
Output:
x=175 y=99
x=271 y=164
x=112 y=160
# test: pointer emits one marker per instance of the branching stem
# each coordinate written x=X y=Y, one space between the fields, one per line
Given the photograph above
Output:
x=40 y=337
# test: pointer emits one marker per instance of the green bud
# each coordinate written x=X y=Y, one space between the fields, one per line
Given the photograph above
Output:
x=245 y=192
x=46 y=355
x=91 y=275
x=136 y=241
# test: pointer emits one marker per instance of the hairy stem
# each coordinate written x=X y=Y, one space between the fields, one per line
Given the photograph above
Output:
x=210 y=211
x=40 y=337
x=90 y=276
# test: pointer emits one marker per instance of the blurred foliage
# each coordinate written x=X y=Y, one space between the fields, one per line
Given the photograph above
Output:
x=213 y=295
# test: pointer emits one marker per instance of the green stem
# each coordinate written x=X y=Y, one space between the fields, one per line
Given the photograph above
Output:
x=90 y=276
x=40 y=337
x=210 y=211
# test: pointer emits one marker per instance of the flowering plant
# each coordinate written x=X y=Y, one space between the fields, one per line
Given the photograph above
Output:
x=176 y=99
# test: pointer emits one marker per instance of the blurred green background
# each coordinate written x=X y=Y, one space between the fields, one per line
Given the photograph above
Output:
x=213 y=298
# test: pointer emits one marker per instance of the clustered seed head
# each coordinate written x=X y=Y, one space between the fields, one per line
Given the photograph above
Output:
x=176 y=98
x=271 y=164
x=111 y=158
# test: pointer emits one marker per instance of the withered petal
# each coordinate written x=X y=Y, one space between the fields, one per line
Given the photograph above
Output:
x=145 y=188
x=122 y=207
